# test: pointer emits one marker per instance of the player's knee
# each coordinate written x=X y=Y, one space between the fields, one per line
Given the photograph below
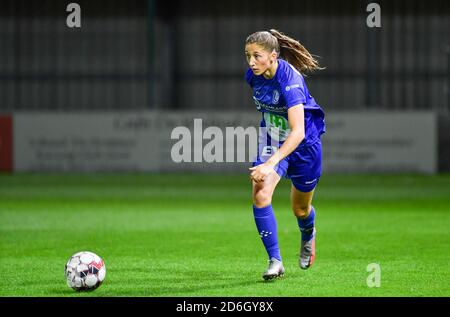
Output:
x=301 y=211
x=262 y=198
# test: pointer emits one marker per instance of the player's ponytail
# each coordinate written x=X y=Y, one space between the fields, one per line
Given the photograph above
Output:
x=295 y=53
x=287 y=48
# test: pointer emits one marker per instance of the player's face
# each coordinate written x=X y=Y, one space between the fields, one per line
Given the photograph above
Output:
x=258 y=58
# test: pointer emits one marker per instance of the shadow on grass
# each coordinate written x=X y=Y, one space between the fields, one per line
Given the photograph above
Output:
x=167 y=282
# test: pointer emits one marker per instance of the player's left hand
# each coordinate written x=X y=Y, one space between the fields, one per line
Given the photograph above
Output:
x=260 y=172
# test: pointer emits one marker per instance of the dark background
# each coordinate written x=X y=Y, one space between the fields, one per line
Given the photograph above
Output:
x=133 y=55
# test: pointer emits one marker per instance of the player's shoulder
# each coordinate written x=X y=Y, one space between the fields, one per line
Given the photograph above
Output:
x=288 y=74
x=249 y=76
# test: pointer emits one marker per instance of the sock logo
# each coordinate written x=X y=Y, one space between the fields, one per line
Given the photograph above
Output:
x=265 y=233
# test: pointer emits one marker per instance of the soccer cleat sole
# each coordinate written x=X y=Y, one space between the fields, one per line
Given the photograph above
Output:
x=272 y=276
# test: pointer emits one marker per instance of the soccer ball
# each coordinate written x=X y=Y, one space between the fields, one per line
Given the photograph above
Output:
x=85 y=271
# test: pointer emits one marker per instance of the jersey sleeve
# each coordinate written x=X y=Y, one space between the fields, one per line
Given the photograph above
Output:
x=249 y=76
x=293 y=90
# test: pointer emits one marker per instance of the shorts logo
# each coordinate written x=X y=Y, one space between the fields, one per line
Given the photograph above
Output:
x=310 y=182
x=276 y=97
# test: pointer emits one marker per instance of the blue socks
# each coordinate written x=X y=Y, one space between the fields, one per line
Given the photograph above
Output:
x=306 y=225
x=267 y=229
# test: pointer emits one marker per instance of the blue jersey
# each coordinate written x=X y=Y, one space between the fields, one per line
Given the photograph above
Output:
x=273 y=97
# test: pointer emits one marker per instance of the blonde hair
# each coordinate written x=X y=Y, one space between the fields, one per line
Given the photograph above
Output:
x=287 y=48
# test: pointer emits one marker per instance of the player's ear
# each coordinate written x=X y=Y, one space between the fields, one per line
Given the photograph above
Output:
x=273 y=56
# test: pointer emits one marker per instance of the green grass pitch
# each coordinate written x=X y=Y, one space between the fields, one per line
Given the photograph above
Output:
x=194 y=235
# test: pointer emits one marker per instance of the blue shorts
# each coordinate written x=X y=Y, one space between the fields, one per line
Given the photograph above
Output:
x=303 y=166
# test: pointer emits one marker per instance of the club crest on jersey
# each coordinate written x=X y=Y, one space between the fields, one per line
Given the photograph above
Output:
x=275 y=97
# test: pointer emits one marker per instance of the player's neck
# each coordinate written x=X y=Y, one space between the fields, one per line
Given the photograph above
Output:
x=271 y=71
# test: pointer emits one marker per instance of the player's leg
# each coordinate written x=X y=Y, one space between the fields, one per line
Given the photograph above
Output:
x=305 y=172
x=266 y=223
x=305 y=213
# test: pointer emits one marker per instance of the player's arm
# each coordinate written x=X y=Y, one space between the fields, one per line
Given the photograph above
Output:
x=296 y=117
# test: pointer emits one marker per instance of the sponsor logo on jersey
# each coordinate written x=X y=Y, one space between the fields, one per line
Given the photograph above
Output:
x=262 y=106
x=292 y=87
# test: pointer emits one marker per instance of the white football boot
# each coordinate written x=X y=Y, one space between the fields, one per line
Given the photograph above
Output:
x=274 y=270
x=307 y=252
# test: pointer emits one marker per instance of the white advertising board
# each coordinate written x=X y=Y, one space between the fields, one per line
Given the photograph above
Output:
x=380 y=142
x=144 y=141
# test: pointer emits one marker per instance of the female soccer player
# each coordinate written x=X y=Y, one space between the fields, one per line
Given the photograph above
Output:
x=294 y=121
